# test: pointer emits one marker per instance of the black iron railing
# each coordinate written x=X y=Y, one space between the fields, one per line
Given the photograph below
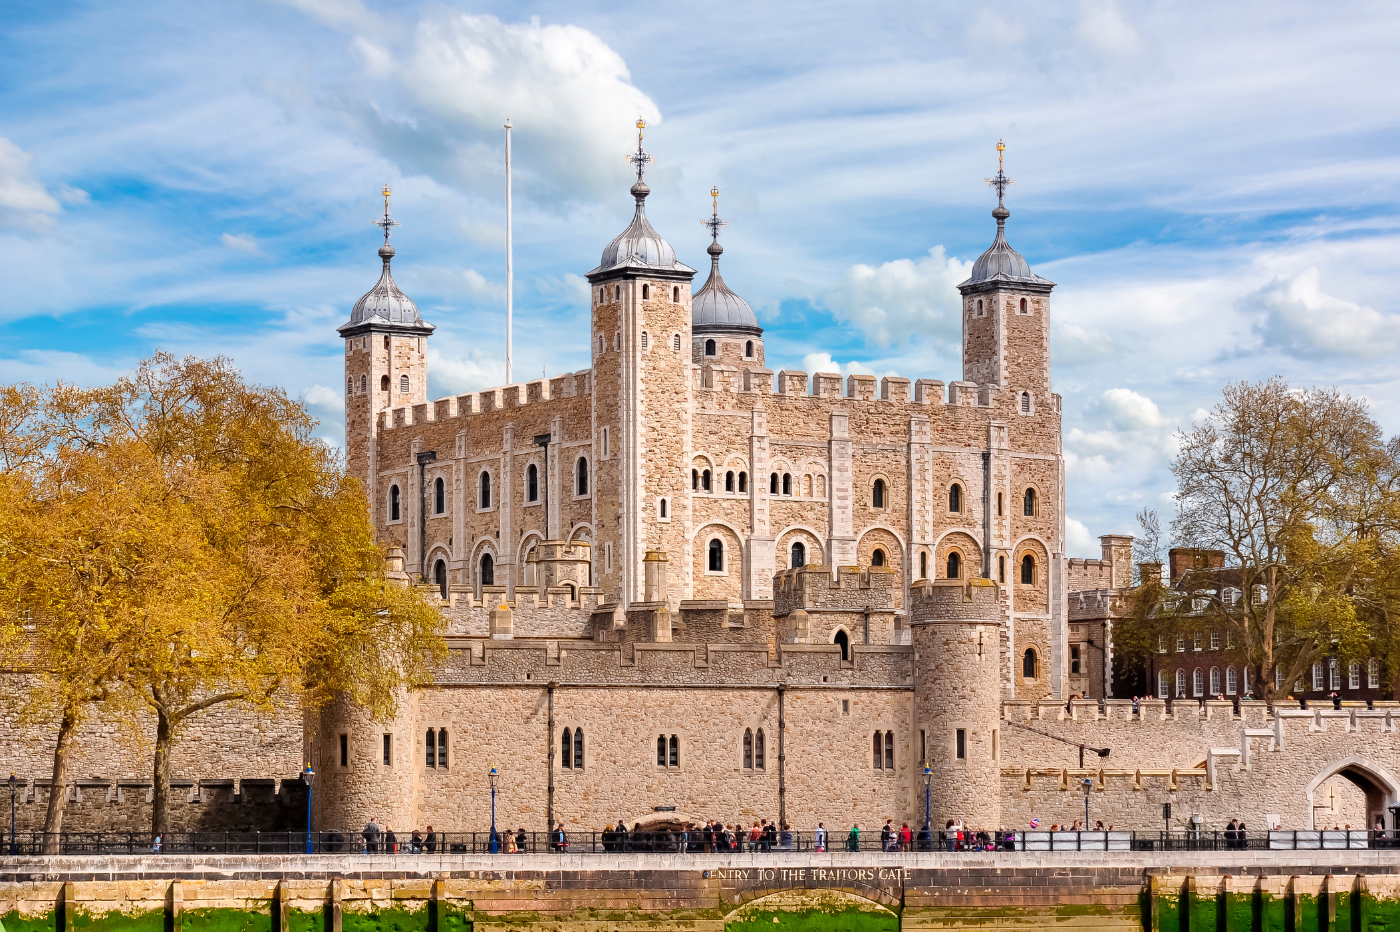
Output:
x=677 y=842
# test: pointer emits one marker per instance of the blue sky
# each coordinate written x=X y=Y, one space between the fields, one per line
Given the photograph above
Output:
x=1213 y=186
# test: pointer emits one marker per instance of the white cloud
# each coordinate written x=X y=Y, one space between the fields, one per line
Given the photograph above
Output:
x=469 y=282
x=24 y=202
x=470 y=371
x=1074 y=345
x=241 y=242
x=344 y=15
x=822 y=362
x=1294 y=315
x=903 y=297
x=1101 y=26
x=1128 y=410
x=1079 y=542
x=318 y=396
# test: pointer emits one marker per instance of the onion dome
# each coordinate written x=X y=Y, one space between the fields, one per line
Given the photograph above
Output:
x=385 y=305
x=639 y=246
x=715 y=307
x=1000 y=265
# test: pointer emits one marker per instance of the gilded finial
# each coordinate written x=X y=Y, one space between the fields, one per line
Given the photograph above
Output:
x=713 y=223
x=1001 y=147
x=714 y=193
x=1000 y=182
x=386 y=223
x=640 y=158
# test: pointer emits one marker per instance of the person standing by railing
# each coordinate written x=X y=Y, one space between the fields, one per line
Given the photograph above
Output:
x=853 y=839
x=371 y=836
x=820 y=839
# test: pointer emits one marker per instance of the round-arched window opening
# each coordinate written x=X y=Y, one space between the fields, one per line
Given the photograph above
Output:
x=716 y=556
x=676 y=295
x=383 y=383
x=403 y=385
x=877 y=558
x=532 y=483
x=1025 y=307
x=979 y=307
x=1028 y=664
x=440 y=577
x=485 y=490
x=488 y=570
x=663 y=512
x=439 y=496
x=1001 y=568
x=748 y=349
x=923 y=565
x=646 y=294
x=743 y=482
x=955 y=498
x=843 y=641
x=394 y=508
x=729 y=481
x=773 y=484
x=705 y=479
x=799 y=554
x=709 y=347
x=877 y=496
x=1025 y=402
x=954 y=565
x=1028 y=504
x=581 y=477
x=787 y=483
x=1028 y=570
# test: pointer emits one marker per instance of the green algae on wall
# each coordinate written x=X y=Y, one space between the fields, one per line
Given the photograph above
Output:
x=851 y=919
x=152 y=921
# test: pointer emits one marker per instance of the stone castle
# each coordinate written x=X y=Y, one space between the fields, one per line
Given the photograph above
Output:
x=677 y=587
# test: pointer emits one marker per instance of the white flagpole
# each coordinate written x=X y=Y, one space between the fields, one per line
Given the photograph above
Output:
x=509 y=270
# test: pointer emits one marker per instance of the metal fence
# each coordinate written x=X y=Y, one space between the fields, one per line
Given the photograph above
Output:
x=677 y=842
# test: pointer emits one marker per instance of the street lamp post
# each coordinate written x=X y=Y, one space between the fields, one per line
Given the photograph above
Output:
x=309 y=776
x=13 y=849
x=1088 y=786
x=495 y=844
x=928 y=819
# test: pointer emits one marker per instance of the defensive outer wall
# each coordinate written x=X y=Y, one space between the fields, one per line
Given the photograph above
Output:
x=1342 y=891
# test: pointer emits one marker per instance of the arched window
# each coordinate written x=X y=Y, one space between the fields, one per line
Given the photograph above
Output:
x=439 y=496
x=1000 y=497
x=955 y=498
x=1029 y=504
x=578 y=748
x=488 y=570
x=787 y=483
x=662 y=510
x=676 y=342
x=646 y=293
x=705 y=479
x=709 y=347
x=1001 y=568
x=383 y=383
x=485 y=490
x=1215 y=681
x=675 y=751
x=889 y=750
x=748 y=749
x=843 y=641
x=877 y=496
x=758 y=750
x=676 y=295
x=1181 y=684
x=394 y=503
x=743 y=482
x=403 y=384
x=1232 y=681
x=1025 y=308
x=644 y=341
x=877 y=558
x=661 y=750
x=442 y=748
x=1028 y=664
x=566 y=748
x=440 y=577
x=954 y=565
x=602 y=344
x=748 y=349
x=386 y=342
x=581 y=477
x=1025 y=402
x=773 y=484
x=350 y=385
x=799 y=554
x=695 y=480
x=979 y=307
x=1162 y=684
x=430 y=759
x=729 y=481
x=364 y=384
x=923 y=564
x=1028 y=570
x=877 y=749
x=1198 y=682
x=716 y=562
x=532 y=483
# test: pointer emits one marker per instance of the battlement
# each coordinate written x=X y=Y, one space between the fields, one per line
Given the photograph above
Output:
x=722 y=377
x=1114 y=570
x=1090 y=604
x=936 y=600
x=500 y=398
x=812 y=587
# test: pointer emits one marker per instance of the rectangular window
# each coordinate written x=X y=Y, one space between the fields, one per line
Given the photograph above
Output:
x=1074 y=659
x=1215 y=640
x=845 y=707
x=1317 y=677
x=388 y=750
x=607 y=556
x=1354 y=676
x=345 y=750
x=1180 y=643
x=1229 y=640
x=923 y=746
x=1334 y=674
x=1373 y=674
x=1196 y=640
x=962 y=744
x=996 y=746
x=1161 y=643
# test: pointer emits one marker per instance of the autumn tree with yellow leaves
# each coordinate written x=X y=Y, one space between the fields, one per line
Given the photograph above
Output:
x=180 y=540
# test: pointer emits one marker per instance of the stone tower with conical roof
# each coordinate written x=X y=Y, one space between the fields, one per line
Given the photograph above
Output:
x=386 y=366
x=641 y=398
